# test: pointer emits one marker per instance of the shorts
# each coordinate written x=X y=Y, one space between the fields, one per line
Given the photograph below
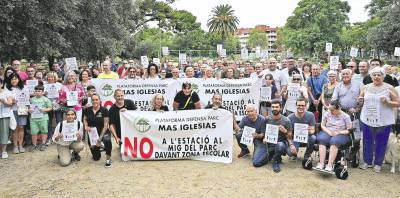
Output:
x=22 y=120
x=39 y=127
x=4 y=130
x=338 y=140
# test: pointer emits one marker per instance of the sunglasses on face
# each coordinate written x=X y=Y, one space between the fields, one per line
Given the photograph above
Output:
x=296 y=79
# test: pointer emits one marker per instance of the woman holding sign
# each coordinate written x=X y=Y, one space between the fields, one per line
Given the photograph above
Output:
x=377 y=118
x=335 y=127
x=295 y=90
x=52 y=88
x=20 y=108
x=72 y=94
x=68 y=136
x=95 y=119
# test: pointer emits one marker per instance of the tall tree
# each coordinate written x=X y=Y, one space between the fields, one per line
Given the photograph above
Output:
x=223 y=20
x=313 y=23
x=257 y=38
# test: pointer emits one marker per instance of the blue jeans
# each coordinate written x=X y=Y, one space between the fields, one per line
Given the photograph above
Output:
x=312 y=139
x=338 y=140
x=279 y=149
x=59 y=117
x=374 y=143
x=260 y=154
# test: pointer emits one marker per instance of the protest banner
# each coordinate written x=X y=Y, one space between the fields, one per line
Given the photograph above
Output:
x=236 y=93
x=204 y=135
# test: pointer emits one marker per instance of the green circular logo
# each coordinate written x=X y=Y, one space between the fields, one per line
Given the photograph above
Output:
x=142 y=124
x=106 y=89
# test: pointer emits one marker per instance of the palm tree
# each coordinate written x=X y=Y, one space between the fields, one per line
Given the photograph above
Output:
x=223 y=21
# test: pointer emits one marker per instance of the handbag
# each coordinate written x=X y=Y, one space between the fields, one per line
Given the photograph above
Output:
x=13 y=122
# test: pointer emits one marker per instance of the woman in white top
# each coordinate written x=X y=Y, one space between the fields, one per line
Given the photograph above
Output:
x=292 y=95
x=52 y=89
x=377 y=118
x=6 y=99
x=69 y=127
x=152 y=71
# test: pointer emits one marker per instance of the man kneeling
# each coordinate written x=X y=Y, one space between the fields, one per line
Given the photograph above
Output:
x=68 y=136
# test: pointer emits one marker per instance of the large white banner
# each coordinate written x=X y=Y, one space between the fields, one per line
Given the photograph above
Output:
x=236 y=94
x=204 y=135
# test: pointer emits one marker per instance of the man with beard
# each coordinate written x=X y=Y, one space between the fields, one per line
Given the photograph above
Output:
x=285 y=143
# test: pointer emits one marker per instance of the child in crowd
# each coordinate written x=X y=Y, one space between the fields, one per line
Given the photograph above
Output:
x=40 y=106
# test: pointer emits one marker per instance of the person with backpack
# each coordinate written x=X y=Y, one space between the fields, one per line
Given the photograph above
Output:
x=68 y=136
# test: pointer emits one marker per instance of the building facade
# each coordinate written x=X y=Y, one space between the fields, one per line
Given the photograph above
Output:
x=244 y=33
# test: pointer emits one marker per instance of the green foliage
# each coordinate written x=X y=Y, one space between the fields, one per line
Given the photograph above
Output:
x=258 y=38
x=313 y=23
x=223 y=20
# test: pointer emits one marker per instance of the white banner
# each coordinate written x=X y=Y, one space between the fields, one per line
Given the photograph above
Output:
x=204 y=135
x=236 y=94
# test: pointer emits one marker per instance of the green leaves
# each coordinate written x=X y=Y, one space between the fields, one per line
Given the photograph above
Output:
x=223 y=20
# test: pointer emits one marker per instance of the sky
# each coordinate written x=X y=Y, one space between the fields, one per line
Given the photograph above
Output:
x=256 y=12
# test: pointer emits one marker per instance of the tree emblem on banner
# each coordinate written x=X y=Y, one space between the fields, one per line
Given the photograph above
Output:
x=106 y=90
x=195 y=87
x=142 y=124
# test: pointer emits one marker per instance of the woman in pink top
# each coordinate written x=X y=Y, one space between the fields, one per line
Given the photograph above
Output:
x=71 y=85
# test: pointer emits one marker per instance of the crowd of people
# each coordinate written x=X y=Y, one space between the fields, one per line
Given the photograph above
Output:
x=32 y=102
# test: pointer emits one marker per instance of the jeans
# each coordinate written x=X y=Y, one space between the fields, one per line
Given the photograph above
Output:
x=312 y=139
x=260 y=154
x=59 y=117
x=338 y=140
x=279 y=149
x=374 y=143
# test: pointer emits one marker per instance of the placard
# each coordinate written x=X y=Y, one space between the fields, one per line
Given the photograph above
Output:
x=328 y=47
x=36 y=111
x=31 y=84
x=258 y=52
x=52 y=90
x=182 y=59
x=264 y=54
x=372 y=110
x=93 y=136
x=223 y=53
x=397 y=51
x=72 y=64
x=247 y=135
x=266 y=93
x=354 y=52
x=22 y=97
x=271 y=134
x=69 y=132
x=165 y=51
x=219 y=48
x=72 y=98
x=334 y=62
x=300 y=133
x=244 y=53
x=144 y=61
x=157 y=61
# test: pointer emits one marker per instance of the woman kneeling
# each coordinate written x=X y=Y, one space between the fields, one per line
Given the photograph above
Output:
x=68 y=136
x=335 y=132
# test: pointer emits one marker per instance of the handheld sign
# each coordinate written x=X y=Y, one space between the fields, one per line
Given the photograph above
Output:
x=258 y=52
x=300 y=132
x=219 y=48
x=247 y=137
x=22 y=97
x=72 y=98
x=223 y=53
x=266 y=93
x=165 y=51
x=182 y=58
x=264 y=54
x=72 y=64
x=145 y=61
x=36 y=111
x=157 y=61
x=244 y=54
x=52 y=90
x=397 y=51
x=334 y=62
x=69 y=132
x=354 y=52
x=328 y=47
x=31 y=84
x=93 y=136
x=372 y=110
x=271 y=134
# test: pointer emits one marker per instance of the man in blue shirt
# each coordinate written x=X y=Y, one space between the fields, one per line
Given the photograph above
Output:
x=314 y=86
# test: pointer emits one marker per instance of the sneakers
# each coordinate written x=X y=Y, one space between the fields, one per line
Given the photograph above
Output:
x=21 y=149
x=328 y=168
x=243 y=153
x=320 y=166
x=32 y=148
x=42 y=147
x=15 y=150
x=275 y=167
x=4 y=155
x=365 y=166
x=108 y=163
x=76 y=156
x=48 y=142
x=377 y=169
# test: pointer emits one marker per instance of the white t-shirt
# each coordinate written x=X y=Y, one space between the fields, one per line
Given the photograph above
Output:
x=5 y=110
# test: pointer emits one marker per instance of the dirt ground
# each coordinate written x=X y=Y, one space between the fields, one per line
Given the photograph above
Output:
x=38 y=174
